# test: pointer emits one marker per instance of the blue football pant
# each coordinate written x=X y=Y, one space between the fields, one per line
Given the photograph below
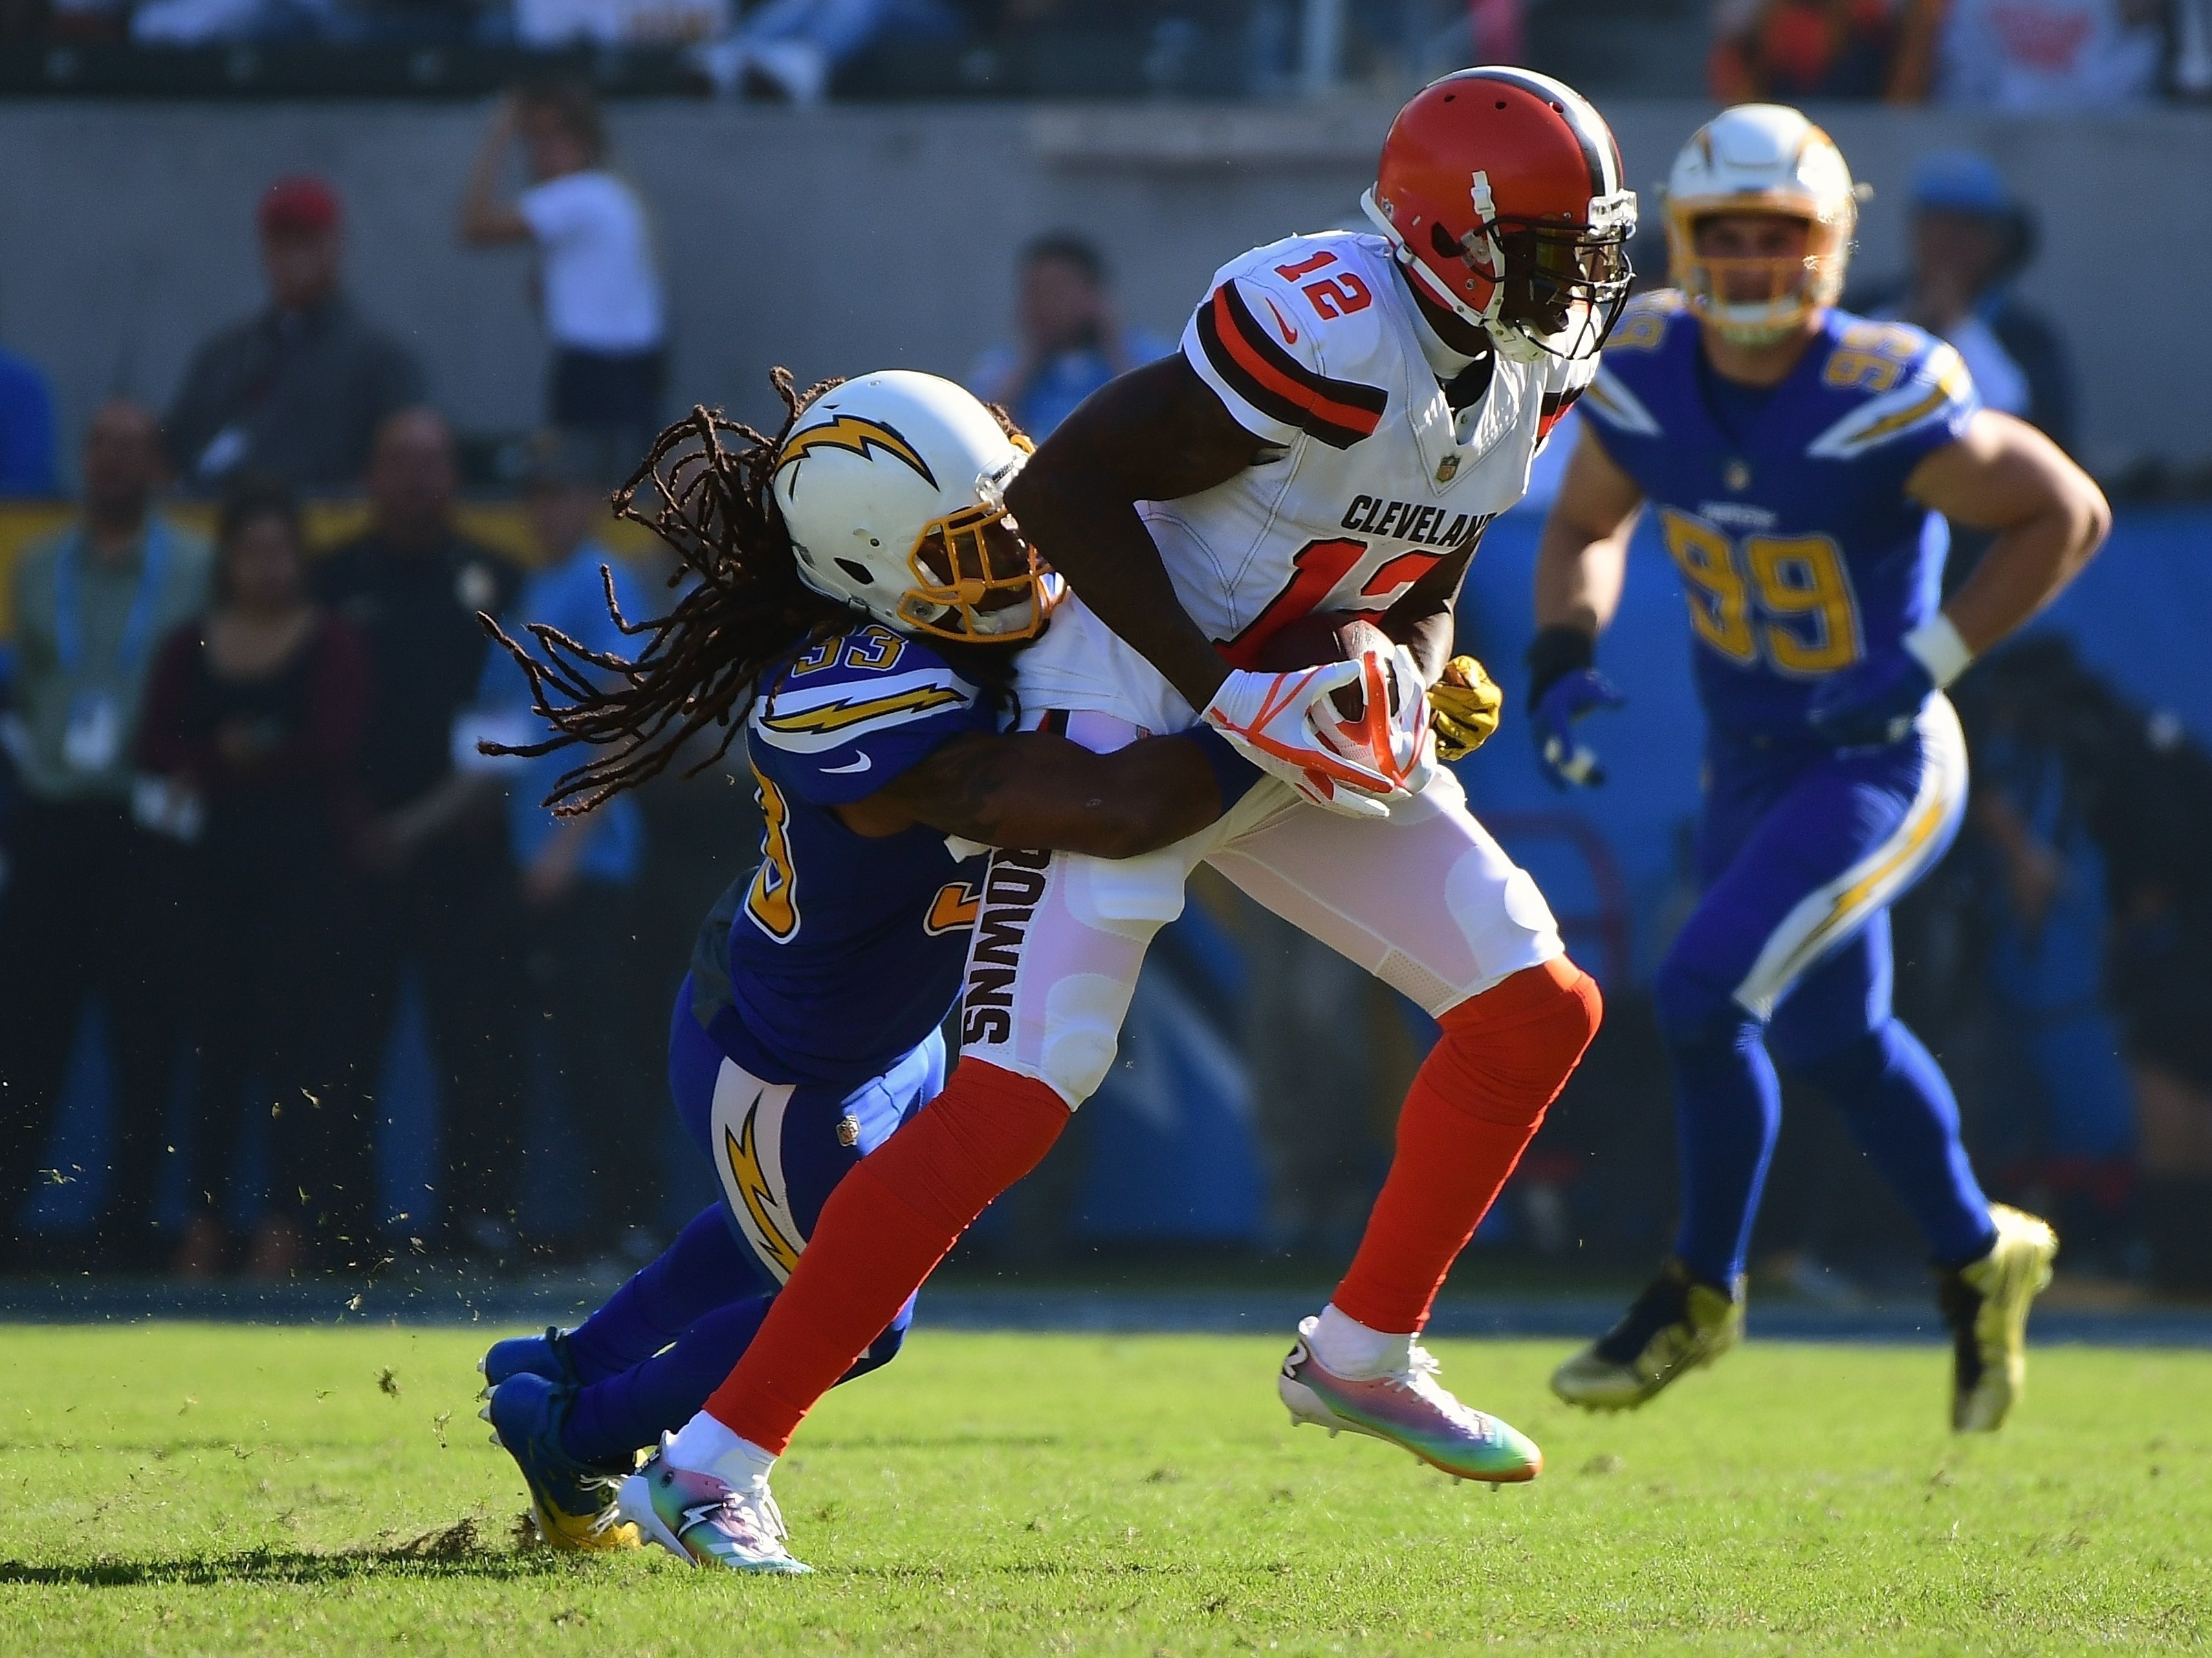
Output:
x=663 y=1342
x=1787 y=957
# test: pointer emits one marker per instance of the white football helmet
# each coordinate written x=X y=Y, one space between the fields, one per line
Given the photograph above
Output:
x=1761 y=158
x=893 y=489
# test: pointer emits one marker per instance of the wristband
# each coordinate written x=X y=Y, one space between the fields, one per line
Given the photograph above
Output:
x=1232 y=773
x=1936 y=646
x=1557 y=652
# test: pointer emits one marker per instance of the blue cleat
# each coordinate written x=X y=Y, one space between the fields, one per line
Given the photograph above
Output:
x=547 y=1355
x=572 y=1503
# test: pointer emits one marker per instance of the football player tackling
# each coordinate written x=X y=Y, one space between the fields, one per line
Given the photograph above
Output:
x=1348 y=412
x=861 y=602
x=1803 y=463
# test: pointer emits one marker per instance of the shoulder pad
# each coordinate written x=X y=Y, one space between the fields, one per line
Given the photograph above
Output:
x=1293 y=339
x=846 y=689
x=1643 y=325
x=1609 y=401
x=1903 y=381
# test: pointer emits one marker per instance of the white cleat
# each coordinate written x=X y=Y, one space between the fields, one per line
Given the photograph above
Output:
x=699 y=1518
x=1410 y=1409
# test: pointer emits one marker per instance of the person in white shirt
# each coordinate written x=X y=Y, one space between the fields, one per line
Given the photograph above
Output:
x=599 y=278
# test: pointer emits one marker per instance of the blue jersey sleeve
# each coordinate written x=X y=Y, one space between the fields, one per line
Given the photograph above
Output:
x=856 y=712
x=1914 y=396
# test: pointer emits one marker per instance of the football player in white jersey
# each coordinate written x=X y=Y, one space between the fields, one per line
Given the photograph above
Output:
x=1347 y=413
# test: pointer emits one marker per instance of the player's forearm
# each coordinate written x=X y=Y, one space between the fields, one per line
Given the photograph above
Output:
x=1424 y=621
x=1044 y=792
x=1090 y=532
x=2049 y=516
x=2029 y=565
x=1579 y=576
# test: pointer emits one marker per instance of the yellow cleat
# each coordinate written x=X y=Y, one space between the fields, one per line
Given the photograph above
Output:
x=1676 y=1325
x=1985 y=1302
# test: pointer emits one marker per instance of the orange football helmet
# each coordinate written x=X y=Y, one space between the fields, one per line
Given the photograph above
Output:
x=1500 y=189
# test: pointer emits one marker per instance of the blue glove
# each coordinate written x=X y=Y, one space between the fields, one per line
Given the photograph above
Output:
x=1873 y=703
x=1566 y=764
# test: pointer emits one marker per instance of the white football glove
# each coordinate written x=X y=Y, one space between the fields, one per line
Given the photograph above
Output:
x=1284 y=723
x=1413 y=734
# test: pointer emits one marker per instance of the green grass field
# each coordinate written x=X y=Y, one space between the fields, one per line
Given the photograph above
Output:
x=195 y=1489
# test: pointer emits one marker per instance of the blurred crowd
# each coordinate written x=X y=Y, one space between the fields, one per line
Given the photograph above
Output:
x=2005 y=54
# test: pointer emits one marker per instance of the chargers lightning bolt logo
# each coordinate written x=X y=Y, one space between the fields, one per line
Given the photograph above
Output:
x=855 y=436
x=742 y=1156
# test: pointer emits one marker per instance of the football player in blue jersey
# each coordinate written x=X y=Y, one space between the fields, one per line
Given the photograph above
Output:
x=861 y=595
x=1802 y=463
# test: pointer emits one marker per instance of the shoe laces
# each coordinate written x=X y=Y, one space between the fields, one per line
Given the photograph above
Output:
x=1419 y=1379
x=750 y=1513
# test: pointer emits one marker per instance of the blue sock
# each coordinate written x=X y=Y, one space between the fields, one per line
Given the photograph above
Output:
x=1728 y=1109
x=1902 y=1112
x=705 y=1268
x=612 y=1418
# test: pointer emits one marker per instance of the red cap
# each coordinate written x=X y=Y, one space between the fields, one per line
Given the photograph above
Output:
x=299 y=206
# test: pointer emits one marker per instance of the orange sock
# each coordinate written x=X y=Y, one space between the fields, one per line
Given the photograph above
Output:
x=881 y=1233
x=1477 y=1102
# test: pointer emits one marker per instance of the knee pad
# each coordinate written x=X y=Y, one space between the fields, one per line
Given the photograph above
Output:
x=1505 y=1055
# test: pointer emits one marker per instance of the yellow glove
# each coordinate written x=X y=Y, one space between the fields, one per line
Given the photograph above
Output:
x=1463 y=706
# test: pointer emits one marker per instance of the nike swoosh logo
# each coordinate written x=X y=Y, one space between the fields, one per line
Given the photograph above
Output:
x=1290 y=334
x=862 y=764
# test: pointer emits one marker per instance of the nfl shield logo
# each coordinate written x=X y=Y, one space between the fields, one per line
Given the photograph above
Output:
x=1447 y=469
x=849 y=1130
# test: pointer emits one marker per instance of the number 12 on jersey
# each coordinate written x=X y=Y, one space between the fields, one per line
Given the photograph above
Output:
x=1787 y=599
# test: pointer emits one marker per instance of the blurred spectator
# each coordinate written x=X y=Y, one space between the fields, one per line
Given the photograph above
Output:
x=790 y=49
x=544 y=23
x=89 y=899
x=1305 y=1039
x=27 y=428
x=1792 y=50
x=297 y=390
x=1071 y=341
x=2046 y=733
x=579 y=875
x=198 y=22
x=252 y=722
x=597 y=274
x=438 y=875
x=1973 y=239
x=2030 y=55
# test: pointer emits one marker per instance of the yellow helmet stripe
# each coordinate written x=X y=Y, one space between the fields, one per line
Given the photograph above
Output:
x=854 y=436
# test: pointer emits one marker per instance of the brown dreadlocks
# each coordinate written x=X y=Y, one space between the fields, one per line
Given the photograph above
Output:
x=702 y=663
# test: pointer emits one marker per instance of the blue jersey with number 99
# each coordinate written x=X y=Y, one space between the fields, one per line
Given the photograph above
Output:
x=1784 y=509
x=841 y=952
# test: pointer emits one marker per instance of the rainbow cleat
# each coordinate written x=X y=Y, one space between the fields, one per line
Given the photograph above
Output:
x=1410 y=1409
x=571 y=1502
x=1985 y=1302
x=704 y=1520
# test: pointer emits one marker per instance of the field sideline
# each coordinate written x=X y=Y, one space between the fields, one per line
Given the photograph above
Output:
x=188 y=1489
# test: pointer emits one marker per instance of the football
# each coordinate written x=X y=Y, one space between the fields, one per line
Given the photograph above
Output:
x=1324 y=636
